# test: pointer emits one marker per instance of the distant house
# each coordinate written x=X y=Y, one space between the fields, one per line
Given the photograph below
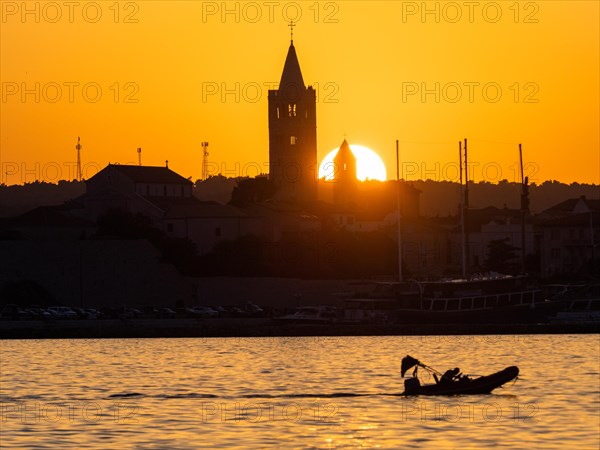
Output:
x=570 y=207
x=358 y=220
x=47 y=223
x=485 y=225
x=133 y=188
x=570 y=234
x=208 y=223
x=166 y=197
x=424 y=248
x=377 y=198
x=343 y=220
x=279 y=219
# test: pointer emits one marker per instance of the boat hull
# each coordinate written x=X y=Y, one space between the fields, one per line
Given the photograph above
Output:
x=533 y=313
x=502 y=299
x=481 y=385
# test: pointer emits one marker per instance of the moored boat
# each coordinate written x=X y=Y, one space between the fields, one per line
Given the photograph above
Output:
x=492 y=299
x=580 y=305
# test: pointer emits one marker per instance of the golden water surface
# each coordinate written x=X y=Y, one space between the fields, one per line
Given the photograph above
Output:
x=307 y=392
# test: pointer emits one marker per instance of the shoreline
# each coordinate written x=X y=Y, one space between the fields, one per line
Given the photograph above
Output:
x=236 y=327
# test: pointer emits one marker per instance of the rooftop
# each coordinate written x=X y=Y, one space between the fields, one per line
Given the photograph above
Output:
x=149 y=174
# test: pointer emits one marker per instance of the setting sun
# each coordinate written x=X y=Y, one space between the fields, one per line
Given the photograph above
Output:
x=368 y=164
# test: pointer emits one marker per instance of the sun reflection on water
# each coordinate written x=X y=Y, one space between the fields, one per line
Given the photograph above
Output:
x=294 y=392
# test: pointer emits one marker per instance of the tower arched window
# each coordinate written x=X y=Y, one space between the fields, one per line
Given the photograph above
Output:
x=291 y=109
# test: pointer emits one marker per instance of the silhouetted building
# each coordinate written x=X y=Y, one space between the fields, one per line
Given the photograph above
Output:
x=344 y=176
x=570 y=207
x=209 y=223
x=424 y=248
x=293 y=135
x=279 y=220
x=47 y=223
x=133 y=189
x=376 y=198
x=166 y=197
x=485 y=225
x=569 y=235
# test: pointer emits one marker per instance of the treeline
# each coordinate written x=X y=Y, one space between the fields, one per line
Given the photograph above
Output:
x=438 y=198
x=442 y=197
x=17 y=199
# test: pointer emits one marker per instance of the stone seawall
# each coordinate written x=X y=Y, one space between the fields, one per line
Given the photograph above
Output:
x=276 y=292
x=236 y=327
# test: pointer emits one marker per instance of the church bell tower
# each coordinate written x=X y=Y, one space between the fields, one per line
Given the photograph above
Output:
x=293 y=134
x=344 y=175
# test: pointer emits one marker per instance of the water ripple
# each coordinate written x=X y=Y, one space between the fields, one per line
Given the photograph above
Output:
x=310 y=392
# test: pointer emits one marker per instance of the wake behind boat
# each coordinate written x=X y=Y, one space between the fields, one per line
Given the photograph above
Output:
x=452 y=382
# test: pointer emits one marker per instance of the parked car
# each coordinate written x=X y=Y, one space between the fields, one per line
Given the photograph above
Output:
x=220 y=310
x=166 y=313
x=81 y=313
x=128 y=313
x=253 y=310
x=202 y=311
x=38 y=313
x=14 y=312
x=109 y=313
x=150 y=312
x=121 y=312
x=234 y=311
x=93 y=313
x=62 y=312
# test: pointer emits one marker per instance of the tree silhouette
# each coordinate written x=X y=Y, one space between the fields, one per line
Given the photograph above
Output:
x=501 y=256
x=252 y=190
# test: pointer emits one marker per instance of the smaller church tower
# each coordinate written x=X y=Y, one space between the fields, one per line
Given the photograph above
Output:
x=344 y=175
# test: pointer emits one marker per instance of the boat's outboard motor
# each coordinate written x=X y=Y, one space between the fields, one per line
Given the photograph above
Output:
x=411 y=385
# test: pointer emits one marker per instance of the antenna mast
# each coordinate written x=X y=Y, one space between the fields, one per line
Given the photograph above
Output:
x=524 y=207
x=204 y=160
x=78 y=147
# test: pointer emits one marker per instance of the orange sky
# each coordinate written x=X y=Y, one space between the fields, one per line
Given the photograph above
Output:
x=174 y=74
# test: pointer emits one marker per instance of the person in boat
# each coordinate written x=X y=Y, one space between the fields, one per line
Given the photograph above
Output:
x=451 y=375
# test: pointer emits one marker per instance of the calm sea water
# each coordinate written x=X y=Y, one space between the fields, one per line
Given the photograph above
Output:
x=307 y=392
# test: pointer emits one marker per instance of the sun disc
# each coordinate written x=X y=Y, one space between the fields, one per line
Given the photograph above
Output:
x=369 y=166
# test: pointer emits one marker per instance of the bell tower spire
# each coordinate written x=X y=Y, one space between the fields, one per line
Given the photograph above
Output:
x=293 y=133
x=344 y=163
x=291 y=84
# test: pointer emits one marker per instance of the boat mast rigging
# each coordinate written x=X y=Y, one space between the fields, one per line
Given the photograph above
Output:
x=399 y=215
x=462 y=213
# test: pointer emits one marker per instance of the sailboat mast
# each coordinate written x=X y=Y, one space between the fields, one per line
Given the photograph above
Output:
x=462 y=213
x=523 y=209
x=466 y=213
x=399 y=224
